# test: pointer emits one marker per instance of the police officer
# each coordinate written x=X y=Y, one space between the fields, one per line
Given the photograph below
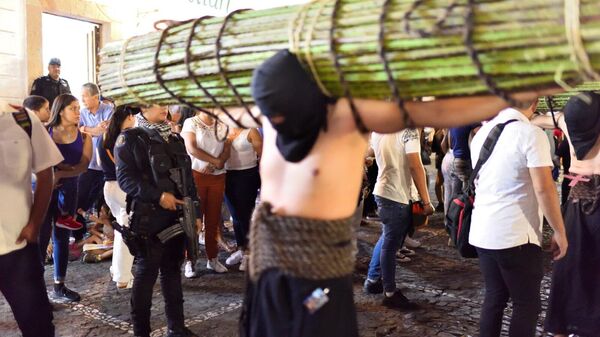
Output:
x=52 y=85
x=145 y=158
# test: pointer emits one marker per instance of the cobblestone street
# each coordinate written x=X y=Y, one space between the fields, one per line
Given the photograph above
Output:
x=449 y=290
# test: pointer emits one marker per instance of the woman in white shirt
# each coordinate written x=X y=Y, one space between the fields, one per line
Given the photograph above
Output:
x=208 y=155
x=241 y=187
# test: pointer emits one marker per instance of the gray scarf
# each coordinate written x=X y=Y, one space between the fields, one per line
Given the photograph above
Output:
x=164 y=128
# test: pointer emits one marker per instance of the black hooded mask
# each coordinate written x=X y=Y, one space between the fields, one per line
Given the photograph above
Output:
x=582 y=115
x=287 y=95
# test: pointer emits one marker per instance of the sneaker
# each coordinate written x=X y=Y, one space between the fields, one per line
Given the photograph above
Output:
x=68 y=222
x=412 y=243
x=399 y=301
x=216 y=266
x=407 y=251
x=190 y=270
x=373 y=287
x=402 y=258
x=62 y=294
x=244 y=263
x=234 y=258
x=201 y=240
x=185 y=332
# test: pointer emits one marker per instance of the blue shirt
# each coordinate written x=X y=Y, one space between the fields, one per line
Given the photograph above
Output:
x=91 y=120
x=459 y=138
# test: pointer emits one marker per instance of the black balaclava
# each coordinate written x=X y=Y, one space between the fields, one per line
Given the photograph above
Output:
x=282 y=88
x=582 y=115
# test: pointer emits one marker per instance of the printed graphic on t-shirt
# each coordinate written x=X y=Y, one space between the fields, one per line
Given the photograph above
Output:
x=410 y=134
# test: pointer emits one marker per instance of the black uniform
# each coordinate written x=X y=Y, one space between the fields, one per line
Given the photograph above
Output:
x=49 y=88
x=143 y=161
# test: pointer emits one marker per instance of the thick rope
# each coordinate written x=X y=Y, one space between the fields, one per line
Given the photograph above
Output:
x=308 y=51
x=223 y=73
x=587 y=194
x=188 y=63
x=438 y=23
x=161 y=80
x=473 y=54
x=386 y=65
x=579 y=54
x=336 y=62
x=299 y=247
x=122 y=79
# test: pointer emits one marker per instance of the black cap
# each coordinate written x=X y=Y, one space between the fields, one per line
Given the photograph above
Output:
x=55 y=61
x=582 y=115
x=282 y=88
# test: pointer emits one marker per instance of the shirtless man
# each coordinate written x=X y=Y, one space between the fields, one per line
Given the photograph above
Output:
x=301 y=253
x=574 y=304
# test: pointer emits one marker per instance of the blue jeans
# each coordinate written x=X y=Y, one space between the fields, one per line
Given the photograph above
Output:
x=395 y=220
x=241 y=189
x=64 y=201
x=22 y=284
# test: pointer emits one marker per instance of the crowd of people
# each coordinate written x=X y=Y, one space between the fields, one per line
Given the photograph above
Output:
x=95 y=182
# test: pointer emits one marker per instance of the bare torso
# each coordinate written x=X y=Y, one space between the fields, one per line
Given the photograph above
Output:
x=590 y=164
x=326 y=184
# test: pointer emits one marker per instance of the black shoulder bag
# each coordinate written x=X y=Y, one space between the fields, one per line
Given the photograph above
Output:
x=458 y=218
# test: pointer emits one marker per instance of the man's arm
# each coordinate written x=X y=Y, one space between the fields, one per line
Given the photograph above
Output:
x=387 y=117
x=41 y=199
x=545 y=192
x=129 y=176
x=95 y=131
x=546 y=121
x=417 y=172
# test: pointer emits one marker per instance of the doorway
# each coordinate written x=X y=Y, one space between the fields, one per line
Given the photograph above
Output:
x=75 y=43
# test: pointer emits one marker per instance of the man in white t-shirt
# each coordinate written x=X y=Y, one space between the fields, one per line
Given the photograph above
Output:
x=514 y=188
x=398 y=157
x=25 y=148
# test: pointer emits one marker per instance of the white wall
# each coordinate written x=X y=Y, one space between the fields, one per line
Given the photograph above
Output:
x=12 y=52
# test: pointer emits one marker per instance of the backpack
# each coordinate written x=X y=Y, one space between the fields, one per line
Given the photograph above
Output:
x=458 y=217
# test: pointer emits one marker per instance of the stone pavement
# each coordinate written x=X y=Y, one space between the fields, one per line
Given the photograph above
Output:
x=448 y=288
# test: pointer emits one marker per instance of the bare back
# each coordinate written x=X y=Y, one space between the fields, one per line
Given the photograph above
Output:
x=326 y=184
x=591 y=163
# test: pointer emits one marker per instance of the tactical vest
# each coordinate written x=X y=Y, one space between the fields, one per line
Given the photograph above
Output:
x=163 y=156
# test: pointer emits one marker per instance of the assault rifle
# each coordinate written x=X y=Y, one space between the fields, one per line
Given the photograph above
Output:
x=187 y=216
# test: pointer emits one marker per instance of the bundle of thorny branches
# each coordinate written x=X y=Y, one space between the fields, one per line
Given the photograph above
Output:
x=377 y=48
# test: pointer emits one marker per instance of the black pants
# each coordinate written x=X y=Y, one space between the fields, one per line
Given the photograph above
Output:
x=167 y=259
x=90 y=187
x=22 y=283
x=241 y=189
x=514 y=273
x=273 y=307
